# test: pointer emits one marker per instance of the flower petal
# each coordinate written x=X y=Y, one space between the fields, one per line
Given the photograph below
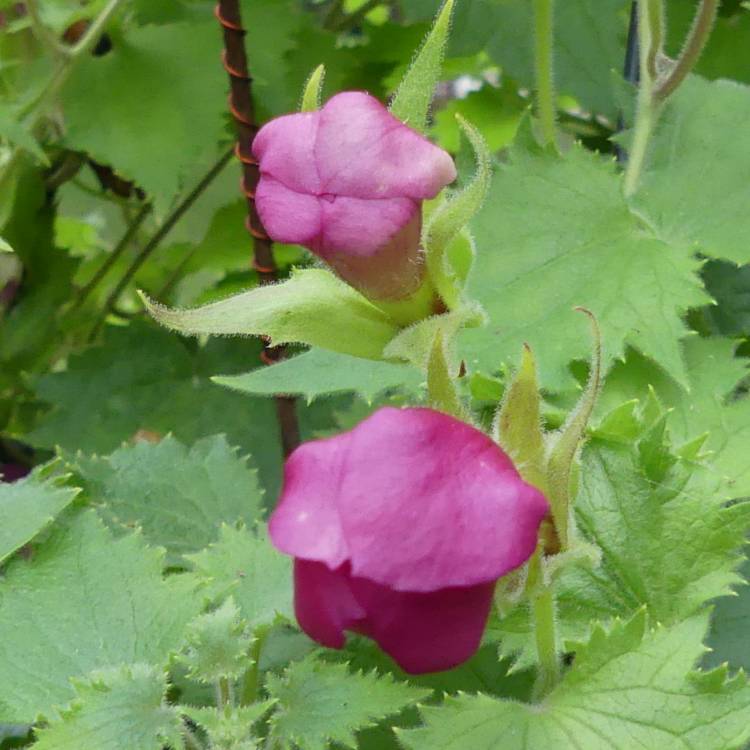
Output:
x=306 y=522
x=324 y=603
x=363 y=151
x=438 y=495
x=360 y=227
x=285 y=149
x=288 y=216
x=424 y=632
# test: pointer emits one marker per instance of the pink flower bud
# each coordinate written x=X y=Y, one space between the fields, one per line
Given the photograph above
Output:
x=347 y=182
x=400 y=529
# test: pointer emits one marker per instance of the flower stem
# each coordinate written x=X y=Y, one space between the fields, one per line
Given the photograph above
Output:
x=543 y=65
x=647 y=107
x=223 y=693
x=251 y=685
x=546 y=643
x=691 y=51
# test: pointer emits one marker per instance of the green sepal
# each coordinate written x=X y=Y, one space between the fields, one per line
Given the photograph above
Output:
x=414 y=344
x=312 y=307
x=5 y=246
x=441 y=384
x=411 y=102
x=564 y=445
x=518 y=425
x=448 y=219
x=312 y=93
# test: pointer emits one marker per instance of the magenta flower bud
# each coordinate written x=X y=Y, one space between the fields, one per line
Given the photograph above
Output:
x=400 y=529
x=347 y=181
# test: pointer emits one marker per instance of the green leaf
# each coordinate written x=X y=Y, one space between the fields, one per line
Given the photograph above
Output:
x=86 y=601
x=319 y=372
x=245 y=565
x=707 y=407
x=448 y=219
x=589 y=251
x=313 y=307
x=179 y=497
x=411 y=102
x=311 y=96
x=16 y=134
x=729 y=285
x=627 y=688
x=145 y=379
x=29 y=505
x=694 y=188
x=122 y=708
x=177 y=123
x=230 y=727
x=217 y=645
x=320 y=702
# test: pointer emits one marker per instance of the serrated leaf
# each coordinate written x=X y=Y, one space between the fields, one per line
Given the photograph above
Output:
x=228 y=728
x=122 y=708
x=320 y=702
x=695 y=187
x=627 y=688
x=312 y=307
x=589 y=251
x=244 y=564
x=178 y=496
x=85 y=602
x=217 y=645
x=671 y=546
x=411 y=102
x=708 y=407
x=27 y=506
x=177 y=123
x=145 y=379
x=319 y=372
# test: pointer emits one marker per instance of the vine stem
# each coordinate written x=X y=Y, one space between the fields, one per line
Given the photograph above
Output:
x=699 y=32
x=229 y=15
x=543 y=66
x=646 y=111
x=44 y=34
x=157 y=238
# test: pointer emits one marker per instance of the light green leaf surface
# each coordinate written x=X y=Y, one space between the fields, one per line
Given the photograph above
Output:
x=319 y=372
x=179 y=497
x=122 y=708
x=707 y=407
x=312 y=307
x=231 y=727
x=556 y=233
x=411 y=102
x=217 y=645
x=319 y=702
x=84 y=601
x=629 y=688
x=244 y=564
x=27 y=506
x=669 y=543
x=143 y=378
x=189 y=108
x=695 y=189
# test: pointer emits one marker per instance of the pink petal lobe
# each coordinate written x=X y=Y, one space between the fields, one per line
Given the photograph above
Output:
x=324 y=603
x=438 y=494
x=306 y=522
x=360 y=227
x=285 y=147
x=363 y=151
x=424 y=632
x=288 y=216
